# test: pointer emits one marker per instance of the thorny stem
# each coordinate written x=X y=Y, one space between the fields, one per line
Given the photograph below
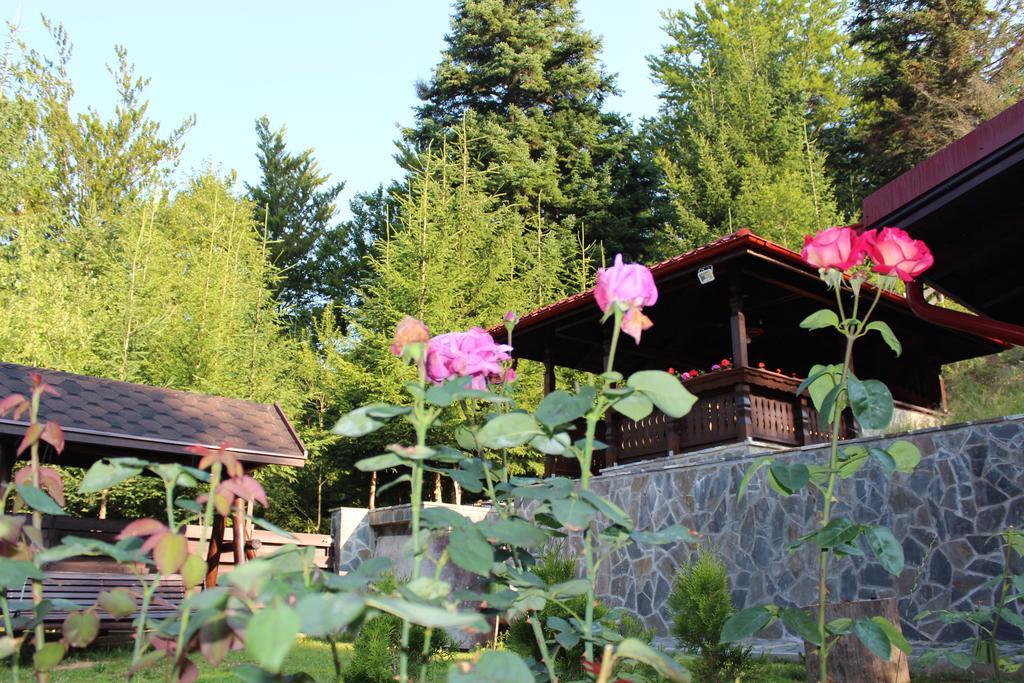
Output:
x=589 y=546
x=37 y=523
x=837 y=418
x=207 y=521
x=147 y=595
x=9 y=628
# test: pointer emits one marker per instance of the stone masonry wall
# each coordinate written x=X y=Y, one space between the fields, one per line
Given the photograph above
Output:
x=969 y=485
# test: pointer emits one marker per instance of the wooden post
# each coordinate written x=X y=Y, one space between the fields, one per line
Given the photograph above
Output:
x=549 y=386
x=238 y=534
x=849 y=660
x=738 y=328
x=213 y=553
x=7 y=458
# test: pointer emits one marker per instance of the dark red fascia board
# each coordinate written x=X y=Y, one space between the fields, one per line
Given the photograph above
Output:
x=979 y=325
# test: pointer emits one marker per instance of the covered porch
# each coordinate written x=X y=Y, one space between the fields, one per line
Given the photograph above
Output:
x=727 y=323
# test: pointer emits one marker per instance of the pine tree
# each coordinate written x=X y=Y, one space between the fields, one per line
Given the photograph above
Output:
x=296 y=202
x=940 y=69
x=523 y=77
x=748 y=87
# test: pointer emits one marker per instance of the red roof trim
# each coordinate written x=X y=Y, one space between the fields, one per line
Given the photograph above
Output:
x=740 y=241
x=955 y=158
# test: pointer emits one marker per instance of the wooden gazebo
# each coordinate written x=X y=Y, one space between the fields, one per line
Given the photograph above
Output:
x=105 y=418
x=740 y=299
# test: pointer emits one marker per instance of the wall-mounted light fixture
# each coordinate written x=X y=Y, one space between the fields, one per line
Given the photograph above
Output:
x=706 y=274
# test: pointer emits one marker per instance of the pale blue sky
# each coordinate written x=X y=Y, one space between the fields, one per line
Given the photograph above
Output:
x=339 y=74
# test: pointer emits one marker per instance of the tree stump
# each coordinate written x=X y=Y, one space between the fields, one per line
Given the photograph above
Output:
x=849 y=661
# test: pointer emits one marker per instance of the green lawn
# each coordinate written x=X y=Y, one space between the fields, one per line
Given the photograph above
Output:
x=104 y=664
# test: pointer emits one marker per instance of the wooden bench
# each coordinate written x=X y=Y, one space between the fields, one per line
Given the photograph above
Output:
x=83 y=588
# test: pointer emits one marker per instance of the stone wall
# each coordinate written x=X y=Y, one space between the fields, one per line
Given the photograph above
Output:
x=969 y=485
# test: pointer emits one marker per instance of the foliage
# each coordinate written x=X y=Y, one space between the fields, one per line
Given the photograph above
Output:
x=989 y=648
x=938 y=70
x=983 y=388
x=699 y=605
x=748 y=89
x=524 y=82
x=847 y=263
x=295 y=204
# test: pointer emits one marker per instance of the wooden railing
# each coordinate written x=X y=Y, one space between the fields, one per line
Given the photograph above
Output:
x=732 y=405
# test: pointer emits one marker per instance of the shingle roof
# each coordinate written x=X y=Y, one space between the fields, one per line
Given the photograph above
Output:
x=106 y=417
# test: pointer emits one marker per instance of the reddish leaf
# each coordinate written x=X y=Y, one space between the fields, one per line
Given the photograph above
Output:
x=215 y=640
x=170 y=553
x=246 y=487
x=31 y=436
x=222 y=455
x=10 y=527
x=188 y=672
x=48 y=656
x=53 y=435
x=39 y=385
x=143 y=527
x=163 y=644
x=16 y=403
x=151 y=542
x=49 y=480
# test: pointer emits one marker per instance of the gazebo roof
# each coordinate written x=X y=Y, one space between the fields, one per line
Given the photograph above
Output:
x=966 y=202
x=776 y=290
x=102 y=417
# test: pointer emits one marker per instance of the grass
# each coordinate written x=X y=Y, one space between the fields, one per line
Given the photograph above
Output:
x=985 y=387
x=105 y=664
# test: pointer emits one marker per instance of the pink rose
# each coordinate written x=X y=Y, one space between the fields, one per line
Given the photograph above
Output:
x=631 y=286
x=409 y=331
x=893 y=251
x=467 y=354
x=838 y=248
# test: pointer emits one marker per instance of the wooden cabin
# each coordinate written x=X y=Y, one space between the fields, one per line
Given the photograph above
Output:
x=104 y=418
x=740 y=299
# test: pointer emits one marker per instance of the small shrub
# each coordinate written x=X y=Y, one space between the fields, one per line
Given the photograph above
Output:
x=378 y=643
x=699 y=605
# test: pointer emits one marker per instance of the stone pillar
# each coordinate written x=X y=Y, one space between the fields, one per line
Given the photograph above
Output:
x=351 y=538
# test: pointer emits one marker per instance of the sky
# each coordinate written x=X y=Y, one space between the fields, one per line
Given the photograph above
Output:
x=339 y=74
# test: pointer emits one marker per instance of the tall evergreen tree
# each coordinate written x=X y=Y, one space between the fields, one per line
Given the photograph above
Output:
x=296 y=202
x=748 y=88
x=523 y=77
x=940 y=69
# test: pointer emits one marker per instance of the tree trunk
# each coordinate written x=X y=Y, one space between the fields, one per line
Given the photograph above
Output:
x=849 y=660
x=458 y=493
x=373 y=491
x=438 y=490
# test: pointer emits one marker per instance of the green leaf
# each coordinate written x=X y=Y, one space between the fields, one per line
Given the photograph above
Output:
x=467 y=480
x=664 y=390
x=270 y=635
x=14 y=573
x=379 y=462
x=442 y=518
x=170 y=553
x=826 y=377
x=826 y=317
x=960 y=660
x=840 y=626
x=469 y=550
x=884 y=459
x=894 y=635
x=359 y=422
x=887 y=335
x=8 y=646
x=635 y=406
x=80 y=628
x=492 y=666
x=323 y=614
x=873 y=637
x=573 y=513
x=829 y=406
x=551 y=445
x=886 y=548
x=427 y=588
x=457 y=389
x=193 y=571
x=508 y=430
x=607 y=508
x=871 y=403
x=637 y=650
x=48 y=656
x=801 y=623
x=38 y=499
x=517 y=532
x=749 y=474
x=837 y=532
x=745 y=623
x=570 y=588
x=105 y=474
x=561 y=407
x=852 y=459
x=427 y=615
x=905 y=454
x=790 y=477
x=118 y=602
